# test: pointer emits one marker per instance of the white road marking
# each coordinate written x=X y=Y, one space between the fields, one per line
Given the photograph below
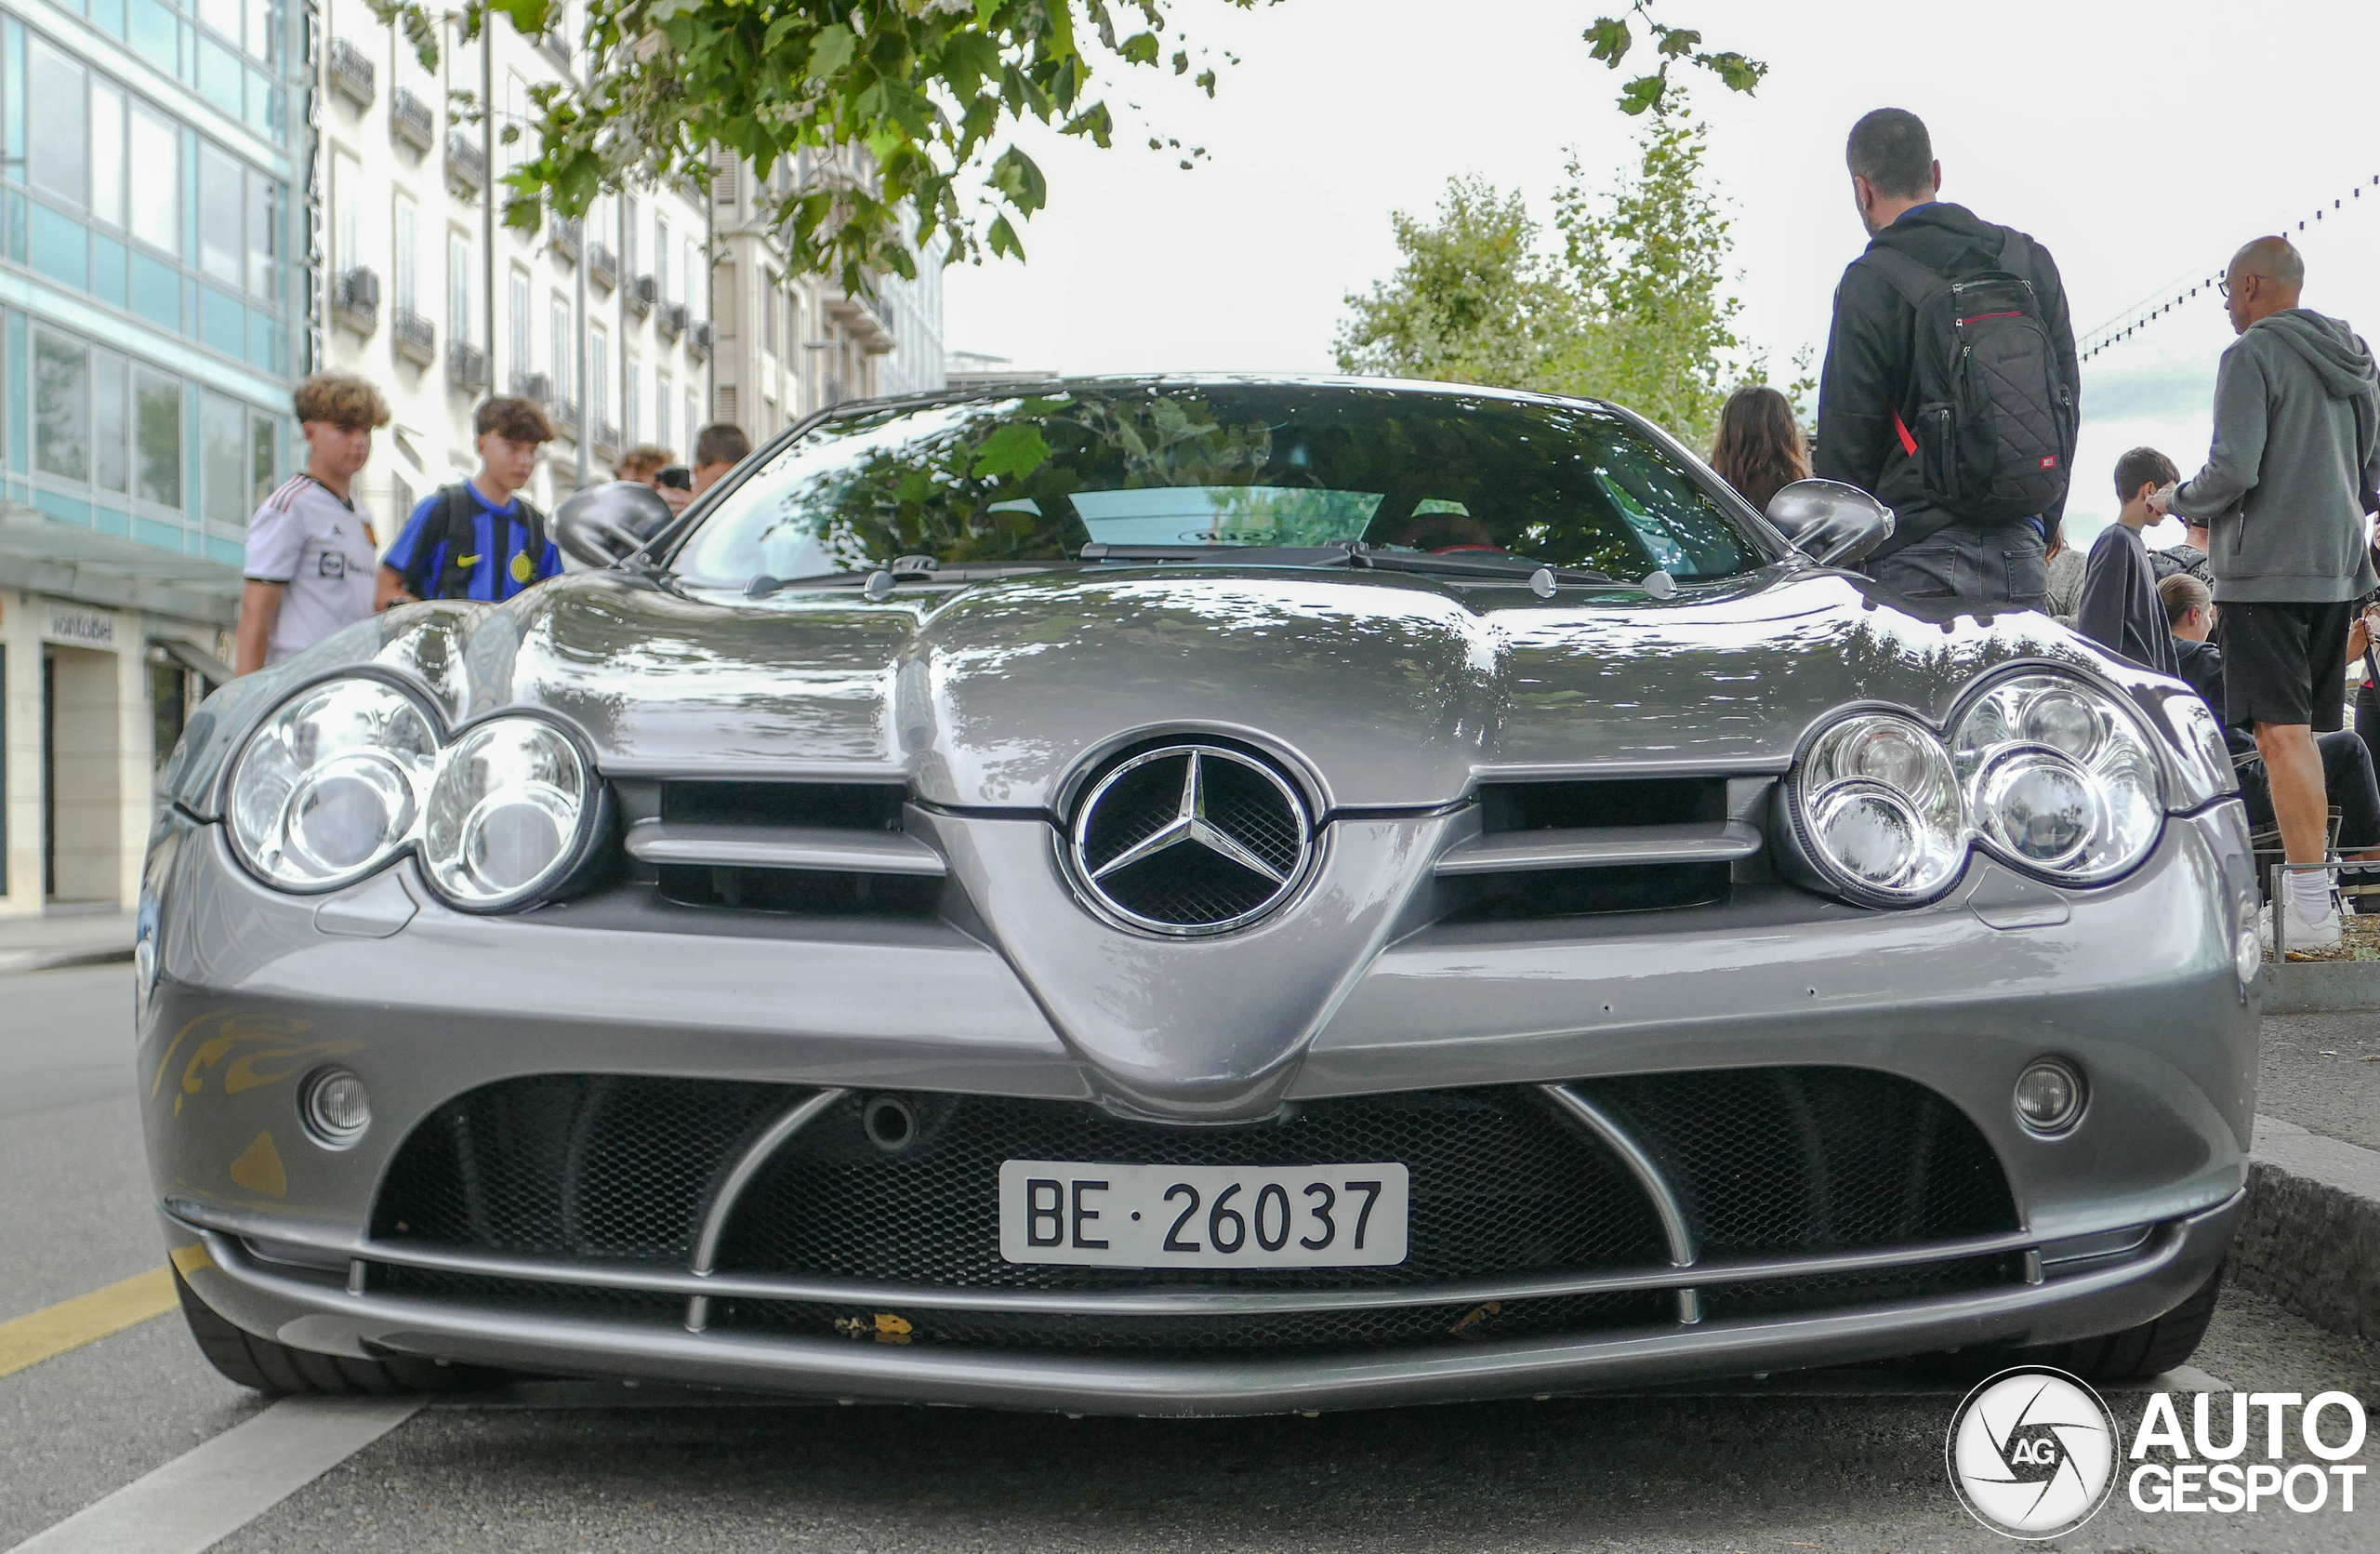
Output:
x=211 y=1492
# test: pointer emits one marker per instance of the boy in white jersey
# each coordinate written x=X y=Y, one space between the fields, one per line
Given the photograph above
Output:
x=311 y=553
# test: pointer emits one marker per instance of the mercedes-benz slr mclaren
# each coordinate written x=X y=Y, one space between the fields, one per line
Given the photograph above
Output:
x=1199 y=896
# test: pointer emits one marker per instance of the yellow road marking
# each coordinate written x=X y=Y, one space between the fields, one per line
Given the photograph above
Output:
x=52 y=1330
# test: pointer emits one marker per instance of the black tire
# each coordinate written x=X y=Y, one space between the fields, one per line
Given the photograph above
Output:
x=267 y=1366
x=2132 y=1355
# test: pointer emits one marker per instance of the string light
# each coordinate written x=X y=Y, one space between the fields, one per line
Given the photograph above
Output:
x=2116 y=330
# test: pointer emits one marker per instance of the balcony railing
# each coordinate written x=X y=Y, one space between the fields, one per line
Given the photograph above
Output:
x=556 y=47
x=414 y=337
x=643 y=293
x=670 y=318
x=466 y=163
x=351 y=72
x=532 y=385
x=700 y=341
x=606 y=438
x=355 y=300
x=602 y=265
x=466 y=367
x=563 y=235
x=561 y=413
x=411 y=121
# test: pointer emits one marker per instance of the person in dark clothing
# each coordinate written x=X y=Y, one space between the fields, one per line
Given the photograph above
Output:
x=2348 y=774
x=2120 y=609
x=1759 y=449
x=1867 y=391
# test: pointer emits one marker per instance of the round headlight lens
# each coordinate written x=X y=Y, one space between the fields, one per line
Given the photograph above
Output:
x=327 y=789
x=2059 y=776
x=1881 y=805
x=505 y=812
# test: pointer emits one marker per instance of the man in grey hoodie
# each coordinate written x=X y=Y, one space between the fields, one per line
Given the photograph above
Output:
x=2294 y=469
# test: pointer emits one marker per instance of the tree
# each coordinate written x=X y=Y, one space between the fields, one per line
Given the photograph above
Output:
x=929 y=89
x=1634 y=306
x=926 y=88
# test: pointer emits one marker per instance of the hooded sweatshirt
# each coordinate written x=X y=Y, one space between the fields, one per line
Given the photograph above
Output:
x=2295 y=463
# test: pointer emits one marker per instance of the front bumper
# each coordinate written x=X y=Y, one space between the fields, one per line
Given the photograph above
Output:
x=312 y=1311
x=245 y=991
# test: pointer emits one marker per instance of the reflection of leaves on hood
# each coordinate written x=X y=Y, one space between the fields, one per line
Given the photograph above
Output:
x=1015 y=449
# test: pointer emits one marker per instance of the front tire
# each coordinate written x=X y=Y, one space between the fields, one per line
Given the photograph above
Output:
x=277 y=1369
x=2133 y=1354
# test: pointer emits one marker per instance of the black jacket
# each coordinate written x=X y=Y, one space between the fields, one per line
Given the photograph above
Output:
x=1867 y=375
x=2201 y=665
x=2120 y=609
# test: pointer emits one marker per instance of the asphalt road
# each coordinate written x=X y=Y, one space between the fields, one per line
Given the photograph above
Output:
x=1857 y=1465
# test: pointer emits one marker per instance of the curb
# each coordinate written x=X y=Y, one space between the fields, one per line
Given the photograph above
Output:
x=2320 y=987
x=2309 y=1236
x=17 y=962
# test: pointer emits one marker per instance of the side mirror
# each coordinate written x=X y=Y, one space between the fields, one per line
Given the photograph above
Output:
x=1832 y=523
x=604 y=523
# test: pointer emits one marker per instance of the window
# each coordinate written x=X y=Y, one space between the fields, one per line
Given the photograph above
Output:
x=522 y=361
x=110 y=423
x=157 y=214
x=157 y=437
x=223 y=457
x=697 y=294
x=768 y=312
x=665 y=405
x=458 y=288
x=347 y=203
x=58 y=155
x=264 y=238
x=221 y=15
x=221 y=242
x=632 y=401
x=694 y=421
x=406 y=257
x=62 y=406
x=661 y=258
x=107 y=153
x=598 y=377
x=264 y=463
x=264 y=31
x=565 y=384
x=628 y=235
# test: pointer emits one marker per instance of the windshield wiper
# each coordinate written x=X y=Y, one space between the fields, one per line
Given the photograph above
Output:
x=1501 y=566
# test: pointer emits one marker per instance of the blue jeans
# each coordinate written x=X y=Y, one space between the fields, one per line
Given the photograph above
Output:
x=2005 y=564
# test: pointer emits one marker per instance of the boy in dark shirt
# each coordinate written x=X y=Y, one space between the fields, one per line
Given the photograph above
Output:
x=2119 y=609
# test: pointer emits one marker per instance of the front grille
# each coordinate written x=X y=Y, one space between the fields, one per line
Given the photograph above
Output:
x=874 y=806
x=573 y=1165
x=1526 y=896
x=803 y=892
x=1822 y=1292
x=527 y=1294
x=1501 y=1185
x=1589 y=804
x=1309 y=1332
x=1812 y=1158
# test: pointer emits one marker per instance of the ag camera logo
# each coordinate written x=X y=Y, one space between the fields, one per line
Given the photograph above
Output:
x=2032 y=1453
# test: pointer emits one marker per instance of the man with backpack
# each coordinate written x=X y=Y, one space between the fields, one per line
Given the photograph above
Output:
x=479 y=538
x=1950 y=385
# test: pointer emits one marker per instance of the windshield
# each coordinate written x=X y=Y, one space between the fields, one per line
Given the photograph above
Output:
x=1036 y=477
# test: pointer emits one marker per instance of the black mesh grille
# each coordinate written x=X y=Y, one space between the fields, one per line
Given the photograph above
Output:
x=1798 y=1159
x=1390 y=1327
x=1820 y=1292
x=527 y=1294
x=1501 y=1185
x=587 y=1165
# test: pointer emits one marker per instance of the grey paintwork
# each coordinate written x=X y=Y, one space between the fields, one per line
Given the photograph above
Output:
x=1389 y=698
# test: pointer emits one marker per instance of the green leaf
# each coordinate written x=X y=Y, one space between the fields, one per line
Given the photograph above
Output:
x=1675 y=42
x=1609 y=40
x=831 y=51
x=1002 y=240
x=1140 y=48
x=1017 y=448
x=1643 y=93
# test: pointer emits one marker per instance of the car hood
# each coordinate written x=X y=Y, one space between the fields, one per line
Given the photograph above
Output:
x=1385 y=691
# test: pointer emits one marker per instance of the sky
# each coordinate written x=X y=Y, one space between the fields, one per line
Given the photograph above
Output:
x=2141 y=143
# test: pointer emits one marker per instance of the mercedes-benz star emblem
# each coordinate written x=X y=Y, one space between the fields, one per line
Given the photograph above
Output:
x=1191 y=838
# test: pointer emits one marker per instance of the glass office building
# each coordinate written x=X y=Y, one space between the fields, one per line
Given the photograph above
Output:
x=153 y=287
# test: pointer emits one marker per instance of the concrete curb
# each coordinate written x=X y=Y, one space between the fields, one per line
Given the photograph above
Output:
x=2309 y=1236
x=2322 y=987
x=17 y=962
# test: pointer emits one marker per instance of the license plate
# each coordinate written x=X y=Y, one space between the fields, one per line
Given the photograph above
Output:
x=1203 y=1216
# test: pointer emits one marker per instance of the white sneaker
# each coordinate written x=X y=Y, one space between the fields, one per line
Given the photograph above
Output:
x=2320 y=933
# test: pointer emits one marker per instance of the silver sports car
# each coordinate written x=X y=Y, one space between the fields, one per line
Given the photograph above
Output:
x=1193 y=895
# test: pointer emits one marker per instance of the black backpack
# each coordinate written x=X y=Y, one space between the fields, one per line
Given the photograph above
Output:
x=458 y=520
x=1995 y=421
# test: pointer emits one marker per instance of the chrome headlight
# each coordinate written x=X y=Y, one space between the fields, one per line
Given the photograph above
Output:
x=2059 y=776
x=328 y=789
x=1877 y=809
x=508 y=815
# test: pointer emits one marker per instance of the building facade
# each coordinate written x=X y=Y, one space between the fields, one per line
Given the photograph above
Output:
x=152 y=317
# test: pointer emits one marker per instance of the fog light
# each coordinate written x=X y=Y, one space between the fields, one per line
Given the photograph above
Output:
x=335 y=1107
x=2247 y=955
x=2049 y=1096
